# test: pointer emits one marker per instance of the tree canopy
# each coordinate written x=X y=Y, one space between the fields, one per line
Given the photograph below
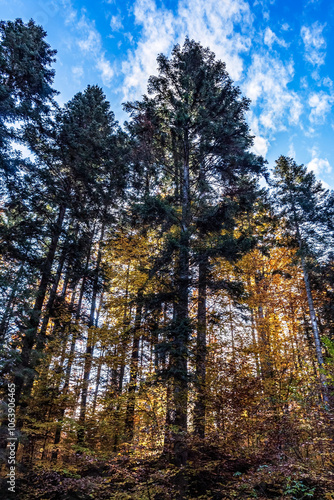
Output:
x=167 y=323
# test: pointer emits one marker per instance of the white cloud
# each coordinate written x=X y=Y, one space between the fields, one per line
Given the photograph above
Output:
x=319 y=166
x=270 y=38
x=77 y=71
x=260 y=146
x=291 y=152
x=265 y=5
x=296 y=109
x=89 y=42
x=69 y=13
x=266 y=84
x=107 y=71
x=116 y=23
x=327 y=82
x=213 y=23
x=315 y=44
x=158 y=35
x=326 y=185
x=320 y=104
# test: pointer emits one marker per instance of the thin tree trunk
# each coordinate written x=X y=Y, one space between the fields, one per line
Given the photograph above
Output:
x=200 y=404
x=89 y=347
x=98 y=375
x=123 y=344
x=9 y=307
x=25 y=370
x=64 y=393
x=84 y=392
x=179 y=354
x=53 y=292
x=130 y=409
x=97 y=385
x=255 y=343
x=263 y=334
x=42 y=333
x=315 y=330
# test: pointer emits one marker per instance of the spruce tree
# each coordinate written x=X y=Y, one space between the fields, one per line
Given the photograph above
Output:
x=199 y=150
x=76 y=164
x=25 y=80
x=306 y=208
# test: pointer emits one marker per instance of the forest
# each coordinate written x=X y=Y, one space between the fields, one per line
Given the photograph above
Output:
x=167 y=313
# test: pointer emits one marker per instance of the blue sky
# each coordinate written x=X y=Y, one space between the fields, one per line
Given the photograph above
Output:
x=279 y=52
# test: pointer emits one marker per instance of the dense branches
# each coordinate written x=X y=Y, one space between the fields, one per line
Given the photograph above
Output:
x=155 y=300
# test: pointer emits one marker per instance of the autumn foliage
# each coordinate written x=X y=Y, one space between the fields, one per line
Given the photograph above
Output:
x=167 y=322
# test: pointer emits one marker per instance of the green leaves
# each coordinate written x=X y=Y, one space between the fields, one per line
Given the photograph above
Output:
x=298 y=490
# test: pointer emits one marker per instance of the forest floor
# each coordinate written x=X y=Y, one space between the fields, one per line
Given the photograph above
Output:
x=208 y=475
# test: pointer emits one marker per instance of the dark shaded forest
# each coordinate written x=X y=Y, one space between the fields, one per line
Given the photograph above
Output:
x=166 y=314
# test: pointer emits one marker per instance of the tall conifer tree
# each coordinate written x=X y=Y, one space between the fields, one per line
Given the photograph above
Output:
x=199 y=144
x=306 y=207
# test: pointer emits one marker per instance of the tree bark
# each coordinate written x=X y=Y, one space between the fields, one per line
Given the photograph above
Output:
x=42 y=333
x=200 y=404
x=315 y=330
x=89 y=348
x=53 y=292
x=179 y=353
x=9 y=307
x=66 y=384
x=24 y=373
x=122 y=353
x=130 y=409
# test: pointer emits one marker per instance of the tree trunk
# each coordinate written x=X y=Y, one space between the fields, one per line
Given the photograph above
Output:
x=200 y=404
x=122 y=354
x=315 y=330
x=25 y=373
x=263 y=333
x=65 y=386
x=9 y=307
x=179 y=353
x=130 y=409
x=53 y=292
x=84 y=392
x=42 y=333
x=97 y=385
x=89 y=348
